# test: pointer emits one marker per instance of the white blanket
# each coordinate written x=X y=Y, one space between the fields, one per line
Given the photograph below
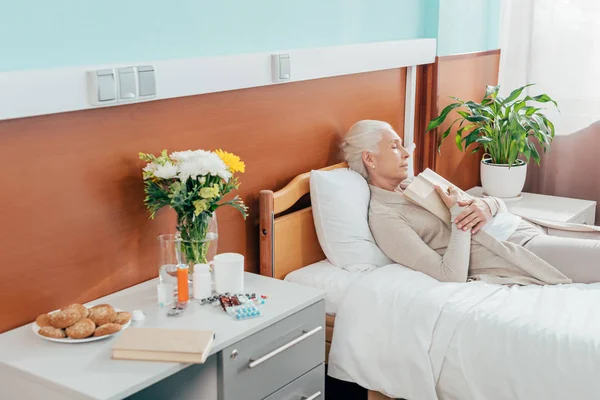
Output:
x=406 y=335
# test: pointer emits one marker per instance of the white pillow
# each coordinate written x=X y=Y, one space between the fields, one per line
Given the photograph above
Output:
x=340 y=204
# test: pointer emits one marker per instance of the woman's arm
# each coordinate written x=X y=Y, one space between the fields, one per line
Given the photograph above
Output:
x=495 y=204
x=404 y=246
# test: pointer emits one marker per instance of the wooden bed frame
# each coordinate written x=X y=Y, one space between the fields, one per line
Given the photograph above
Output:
x=288 y=241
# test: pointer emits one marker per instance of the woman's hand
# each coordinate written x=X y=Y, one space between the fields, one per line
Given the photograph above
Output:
x=449 y=199
x=475 y=215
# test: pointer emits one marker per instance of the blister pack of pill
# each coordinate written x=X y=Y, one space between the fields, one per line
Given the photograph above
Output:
x=244 y=311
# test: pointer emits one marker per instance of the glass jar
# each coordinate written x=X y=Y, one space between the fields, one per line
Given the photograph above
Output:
x=189 y=248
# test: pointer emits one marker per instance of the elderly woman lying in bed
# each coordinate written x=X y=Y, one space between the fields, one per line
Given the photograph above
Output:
x=515 y=251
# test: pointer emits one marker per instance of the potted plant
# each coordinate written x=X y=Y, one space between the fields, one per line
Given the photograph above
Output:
x=507 y=130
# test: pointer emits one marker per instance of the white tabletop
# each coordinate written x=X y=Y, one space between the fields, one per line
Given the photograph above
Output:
x=552 y=208
x=86 y=370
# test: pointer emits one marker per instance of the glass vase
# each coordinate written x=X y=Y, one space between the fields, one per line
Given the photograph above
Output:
x=191 y=246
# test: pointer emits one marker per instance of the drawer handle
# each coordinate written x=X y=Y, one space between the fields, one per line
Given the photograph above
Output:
x=253 y=363
x=313 y=397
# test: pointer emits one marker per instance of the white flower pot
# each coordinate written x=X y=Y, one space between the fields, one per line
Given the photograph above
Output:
x=498 y=180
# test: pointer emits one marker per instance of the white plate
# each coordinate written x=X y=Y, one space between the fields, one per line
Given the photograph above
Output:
x=36 y=328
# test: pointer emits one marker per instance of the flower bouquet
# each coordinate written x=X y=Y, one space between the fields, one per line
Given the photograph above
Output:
x=193 y=183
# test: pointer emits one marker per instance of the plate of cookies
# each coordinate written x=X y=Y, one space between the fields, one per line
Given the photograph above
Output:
x=79 y=324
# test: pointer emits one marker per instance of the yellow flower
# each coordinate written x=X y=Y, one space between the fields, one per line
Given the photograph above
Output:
x=200 y=206
x=232 y=161
x=209 y=192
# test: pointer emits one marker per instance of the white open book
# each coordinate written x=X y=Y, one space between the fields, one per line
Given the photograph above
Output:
x=421 y=191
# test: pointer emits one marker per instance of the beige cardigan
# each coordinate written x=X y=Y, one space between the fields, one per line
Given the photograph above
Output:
x=415 y=238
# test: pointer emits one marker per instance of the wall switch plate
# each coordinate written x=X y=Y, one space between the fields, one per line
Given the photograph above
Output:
x=102 y=87
x=146 y=82
x=281 y=67
x=127 y=84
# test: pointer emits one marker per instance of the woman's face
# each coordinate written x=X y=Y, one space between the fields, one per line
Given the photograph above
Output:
x=390 y=165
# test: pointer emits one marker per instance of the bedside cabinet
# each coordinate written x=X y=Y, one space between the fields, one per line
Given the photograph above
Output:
x=561 y=209
x=283 y=361
x=278 y=356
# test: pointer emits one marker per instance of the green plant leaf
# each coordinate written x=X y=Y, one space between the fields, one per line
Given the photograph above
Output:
x=477 y=118
x=463 y=114
x=531 y=110
x=475 y=150
x=484 y=139
x=542 y=98
x=492 y=91
x=515 y=94
x=551 y=126
x=458 y=140
x=457 y=99
x=434 y=123
x=513 y=152
x=535 y=154
x=527 y=151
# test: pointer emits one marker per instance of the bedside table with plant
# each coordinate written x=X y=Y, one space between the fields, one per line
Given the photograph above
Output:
x=554 y=208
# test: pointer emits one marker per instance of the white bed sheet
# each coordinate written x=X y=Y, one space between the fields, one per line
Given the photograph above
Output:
x=326 y=276
x=405 y=334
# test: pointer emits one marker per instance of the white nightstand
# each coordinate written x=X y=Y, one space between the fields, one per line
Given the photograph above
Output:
x=561 y=209
x=278 y=355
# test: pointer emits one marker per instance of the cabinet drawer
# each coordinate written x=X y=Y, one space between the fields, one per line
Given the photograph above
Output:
x=261 y=364
x=309 y=386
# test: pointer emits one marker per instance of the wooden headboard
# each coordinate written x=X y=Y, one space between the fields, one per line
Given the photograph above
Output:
x=289 y=241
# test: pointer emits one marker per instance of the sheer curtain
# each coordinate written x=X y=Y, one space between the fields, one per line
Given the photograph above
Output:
x=556 y=45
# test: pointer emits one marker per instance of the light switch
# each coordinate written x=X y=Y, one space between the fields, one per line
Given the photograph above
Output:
x=127 y=84
x=107 y=88
x=146 y=81
x=284 y=66
x=281 y=64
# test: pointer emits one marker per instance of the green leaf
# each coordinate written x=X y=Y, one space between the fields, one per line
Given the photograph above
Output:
x=458 y=140
x=475 y=150
x=492 y=91
x=513 y=152
x=484 y=140
x=477 y=118
x=465 y=128
x=515 y=94
x=434 y=123
x=446 y=133
x=531 y=110
x=519 y=105
x=542 y=98
x=527 y=151
x=535 y=154
x=551 y=126
x=463 y=114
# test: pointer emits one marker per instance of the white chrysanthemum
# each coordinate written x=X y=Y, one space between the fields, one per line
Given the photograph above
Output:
x=167 y=171
x=150 y=167
x=187 y=155
x=193 y=164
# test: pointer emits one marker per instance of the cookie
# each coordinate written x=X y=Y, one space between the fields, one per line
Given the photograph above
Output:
x=107 y=329
x=81 y=329
x=64 y=318
x=123 y=317
x=43 y=320
x=102 y=314
x=52 y=332
x=82 y=309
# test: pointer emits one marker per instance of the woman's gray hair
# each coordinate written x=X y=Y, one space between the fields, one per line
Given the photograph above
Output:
x=363 y=136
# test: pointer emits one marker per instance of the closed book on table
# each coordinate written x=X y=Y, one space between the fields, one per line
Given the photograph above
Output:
x=157 y=344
